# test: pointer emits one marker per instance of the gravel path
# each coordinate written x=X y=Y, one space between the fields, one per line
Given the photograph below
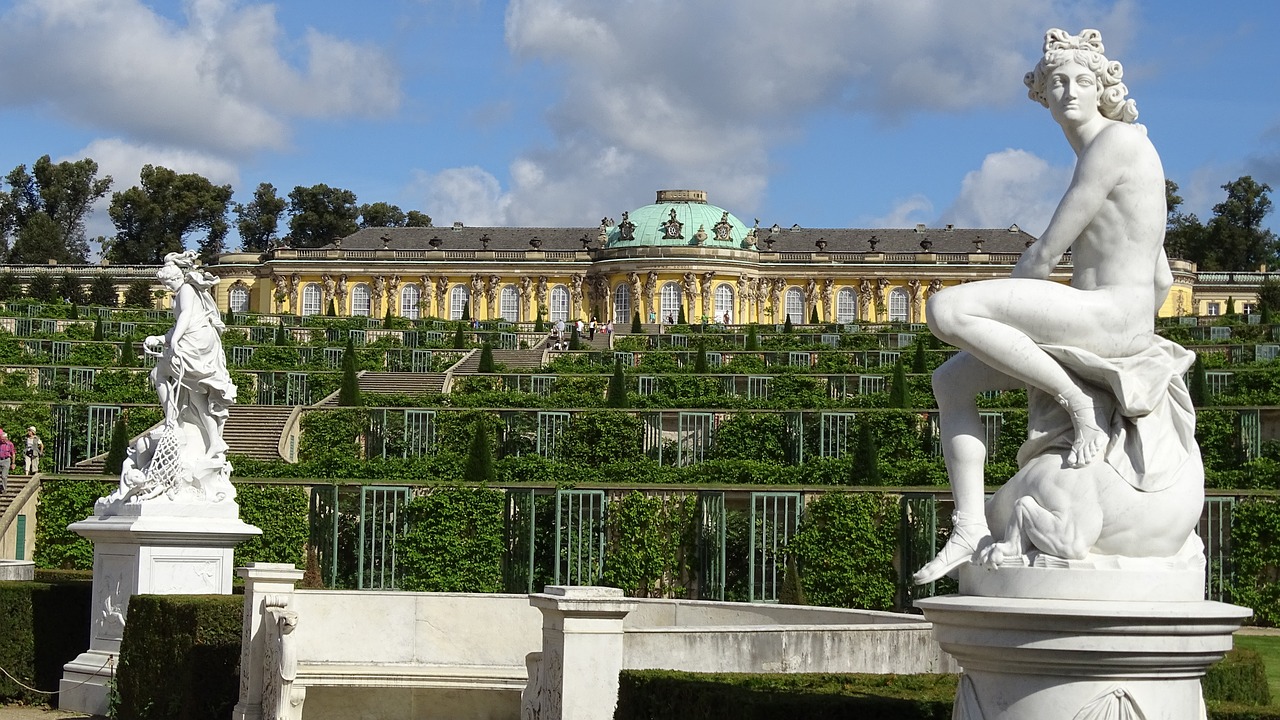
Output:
x=24 y=712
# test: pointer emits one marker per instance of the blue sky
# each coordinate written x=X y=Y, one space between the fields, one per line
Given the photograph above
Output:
x=825 y=113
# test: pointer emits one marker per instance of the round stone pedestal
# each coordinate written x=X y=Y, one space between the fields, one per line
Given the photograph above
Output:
x=1027 y=658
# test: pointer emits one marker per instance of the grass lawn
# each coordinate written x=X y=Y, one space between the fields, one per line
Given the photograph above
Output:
x=1268 y=646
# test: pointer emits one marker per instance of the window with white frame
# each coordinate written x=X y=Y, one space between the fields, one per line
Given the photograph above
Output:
x=238 y=298
x=622 y=303
x=559 y=303
x=670 y=304
x=1213 y=308
x=360 y=300
x=509 y=304
x=311 y=299
x=846 y=306
x=899 y=305
x=795 y=306
x=410 y=300
x=459 y=299
x=724 y=303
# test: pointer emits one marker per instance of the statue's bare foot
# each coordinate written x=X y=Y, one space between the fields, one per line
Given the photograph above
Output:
x=1090 y=440
x=994 y=555
x=967 y=538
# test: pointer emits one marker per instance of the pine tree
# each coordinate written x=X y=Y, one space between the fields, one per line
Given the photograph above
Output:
x=349 y=392
x=42 y=287
x=138 y=295
x=97 y=330
x=753 y=338
x=899 y=392
x=70 y=289
x=866 y=459
x=118 y=448
x=479 y=467
x=617 y=395
x=102 y=291
x=486 y=359
x=636 y=326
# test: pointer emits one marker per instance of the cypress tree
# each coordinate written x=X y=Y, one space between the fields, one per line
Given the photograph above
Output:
x=102 y=291
x=386 y=321
x=899 y=393
x=786 y=326
x=813 y=315
x=127 y=356
x=636 y=326
x=118 y=448
x=282 y=338
x=486 y=358
x=466 y=312
x=97 y=330
x=617 y=396
x=1199 y=385
x=866 y=459
x=574 y=342
x=349 y=392
x=919 y=361
x=753 y=339
x=331 y=310
x=1265 y=310
x=680 y=319
x=73 y=312
x=1231 y=306
x=479 y=467
x=538 y=325
x=792 y=590
x=700 y=364
x=459 y=339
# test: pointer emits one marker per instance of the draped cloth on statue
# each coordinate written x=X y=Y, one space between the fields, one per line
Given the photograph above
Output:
x=1143 y=400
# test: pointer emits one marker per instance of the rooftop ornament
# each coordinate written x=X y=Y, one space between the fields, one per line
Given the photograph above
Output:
x=873 y=241
x=435 y=243
x=822 y=244
x=535 y=242
x=484 y=241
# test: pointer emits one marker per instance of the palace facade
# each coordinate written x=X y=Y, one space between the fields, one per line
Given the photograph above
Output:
x=678 y=256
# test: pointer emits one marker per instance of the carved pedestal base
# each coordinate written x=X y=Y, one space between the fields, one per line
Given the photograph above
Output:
x=160 y=548
x=1078 y=659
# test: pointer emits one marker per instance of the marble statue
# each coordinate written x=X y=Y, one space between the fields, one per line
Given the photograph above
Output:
x=184 y=458
x=1111 y=471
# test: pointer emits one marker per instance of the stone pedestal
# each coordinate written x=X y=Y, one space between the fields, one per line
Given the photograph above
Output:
x=155 y=548
x=263 y=583
x=582 y=645
x=1027 y=658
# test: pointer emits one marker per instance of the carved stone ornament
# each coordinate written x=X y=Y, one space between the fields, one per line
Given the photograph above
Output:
x=672 y=229
x=723 y=230
x=626 y=228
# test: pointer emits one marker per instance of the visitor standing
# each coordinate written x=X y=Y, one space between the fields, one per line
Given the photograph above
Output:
x=591 y=329
x=6 y=460
x=32 y=452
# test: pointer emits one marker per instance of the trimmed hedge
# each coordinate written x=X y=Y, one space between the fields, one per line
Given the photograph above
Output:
x=43 y=626
x=1240 y=677
x=180 y=657
x=663 y=694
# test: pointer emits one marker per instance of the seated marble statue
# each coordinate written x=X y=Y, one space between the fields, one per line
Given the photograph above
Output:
x=185 y=457
x=1111 y=466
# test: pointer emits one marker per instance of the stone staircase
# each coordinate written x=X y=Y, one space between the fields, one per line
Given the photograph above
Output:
x=512 y=359
x=14 y=486
x=394 y=383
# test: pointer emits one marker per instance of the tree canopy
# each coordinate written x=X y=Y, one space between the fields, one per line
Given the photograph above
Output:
x=1234 y=239
x=156 y=217
x=258 y=220
x=319 y=214
x=42 y=213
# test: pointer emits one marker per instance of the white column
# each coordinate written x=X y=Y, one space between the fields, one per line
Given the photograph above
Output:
x=582 y=646
x=261 y=580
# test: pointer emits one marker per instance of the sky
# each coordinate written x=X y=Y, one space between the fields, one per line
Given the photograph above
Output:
x=822 y=113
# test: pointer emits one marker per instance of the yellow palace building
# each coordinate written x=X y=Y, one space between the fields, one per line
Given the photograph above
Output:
x=679 y=255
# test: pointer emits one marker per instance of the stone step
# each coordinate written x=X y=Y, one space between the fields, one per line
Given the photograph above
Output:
x=14 y=486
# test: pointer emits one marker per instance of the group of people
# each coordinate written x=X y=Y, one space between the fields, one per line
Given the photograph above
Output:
x=33 y=448
x=560 y=341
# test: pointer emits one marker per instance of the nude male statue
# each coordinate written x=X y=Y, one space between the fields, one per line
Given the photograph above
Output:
x=1112 y=218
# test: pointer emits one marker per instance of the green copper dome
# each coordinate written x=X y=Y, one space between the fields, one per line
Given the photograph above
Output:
x=680 y=218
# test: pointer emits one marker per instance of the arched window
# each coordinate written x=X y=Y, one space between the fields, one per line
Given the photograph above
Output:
x=622 y=303
x=795 y=306
x=459 y=299
x=311 y=299
x=899 y=305
x=238 y=298
x=846 y=306
x=410 y=299
x=559 y=303
x=509 y=304
x=670 y=302
x=360 y=300
x=724 y=304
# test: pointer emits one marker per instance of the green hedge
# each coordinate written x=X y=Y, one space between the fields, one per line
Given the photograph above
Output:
x=666 y=694
x=180 y=657
x=43 y=626
x=1240 y=677
x=63 y=502
x=455 y=541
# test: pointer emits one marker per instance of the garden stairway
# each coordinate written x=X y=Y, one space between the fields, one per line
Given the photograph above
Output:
x=394 y=383
x=252 y=430
x=530 y=359
x=14 y=486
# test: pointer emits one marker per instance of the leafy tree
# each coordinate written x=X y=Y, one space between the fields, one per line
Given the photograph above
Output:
x=617 y=395
x=486 y=359
x=319 y=214
x=1269 y=294
x=1234 y=238
x=636 y=326
x=43 y=212
x=381 y=214
x=42 y=287
x=156 y=217
x=417 y=218
x=479 y=467
x=349 y=392
x=70 y=289
x=138 y=294
x=258 y=220
x=102 y=291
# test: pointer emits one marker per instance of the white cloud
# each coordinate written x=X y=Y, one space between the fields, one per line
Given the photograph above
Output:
x=908 y=212
x=467 y=195
x=698 y=93
x=220 y=83
x=1012 y=186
